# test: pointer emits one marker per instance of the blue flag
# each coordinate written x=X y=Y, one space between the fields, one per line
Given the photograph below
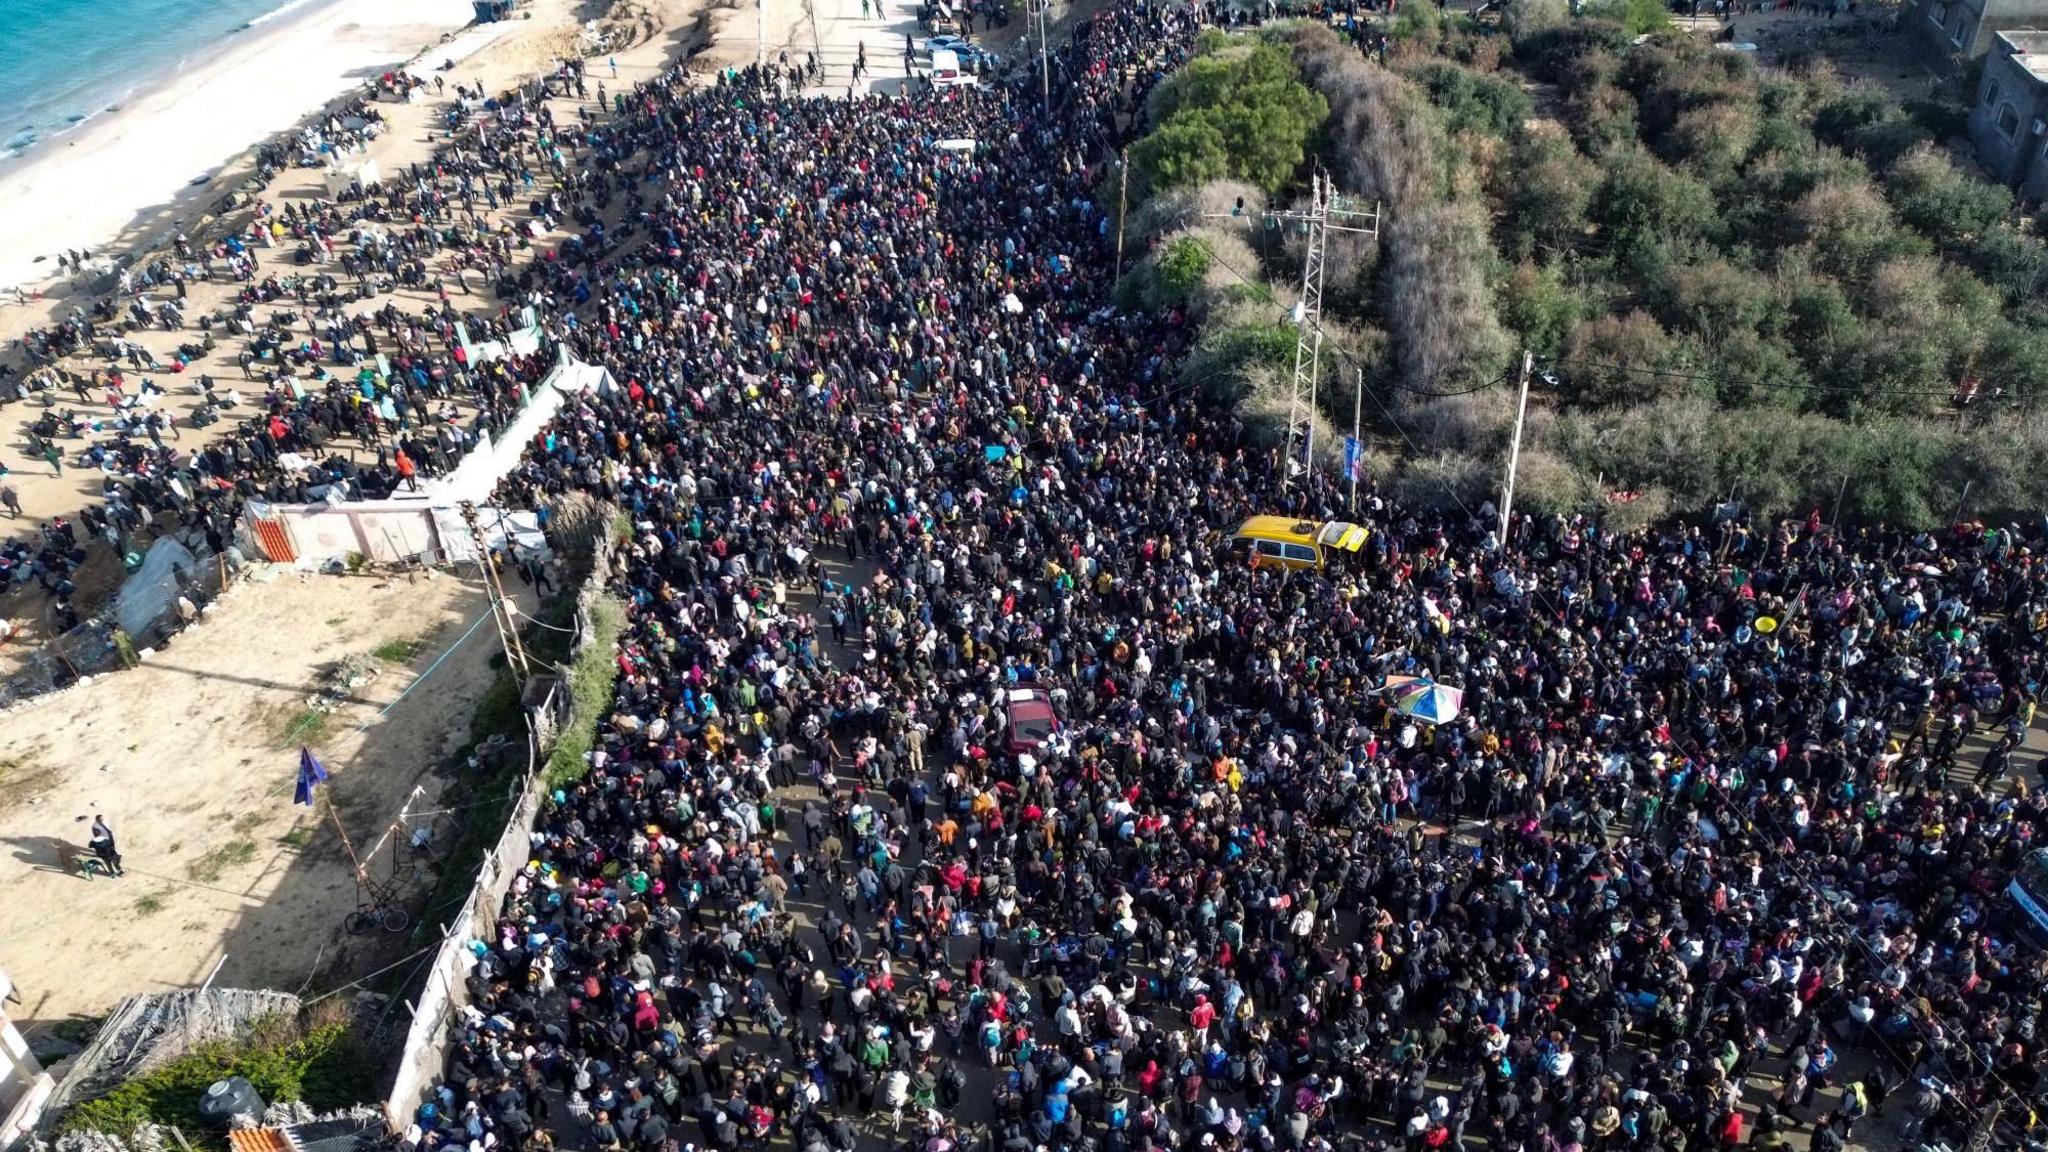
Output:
x=311 y=773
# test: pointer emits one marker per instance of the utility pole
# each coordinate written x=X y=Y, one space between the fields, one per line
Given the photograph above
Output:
x=1507 y=496
x=760 y=33
x=1123 y=188
x=501 y=616
x=1043 y=8
x=1327 y=211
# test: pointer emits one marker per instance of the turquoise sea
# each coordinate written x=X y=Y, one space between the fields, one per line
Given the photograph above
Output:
x=71 y=60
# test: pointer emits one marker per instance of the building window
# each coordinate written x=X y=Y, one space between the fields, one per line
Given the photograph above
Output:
x=1937 y=15
x=1957 y=39
x=2009 y=121
x=1991 y=95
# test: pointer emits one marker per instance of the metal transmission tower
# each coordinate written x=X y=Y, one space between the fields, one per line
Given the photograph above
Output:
x=1327 y=211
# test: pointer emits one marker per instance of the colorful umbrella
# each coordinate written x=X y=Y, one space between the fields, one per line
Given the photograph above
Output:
x=1428 y=701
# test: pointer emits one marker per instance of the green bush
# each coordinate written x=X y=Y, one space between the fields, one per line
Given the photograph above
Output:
x=1471 y=101
x=591 y=678
x=1240 y=111
x=1714 y=300
x=1182 y=265
x=1180 y=154
x=2016 y=265
x=1546 y=188
x=1538 y=307
x=1641 y=199
x=1636 y=16
x=1849 y=110
x=1547 y=52
x=1617 y=359
x=323 y=1065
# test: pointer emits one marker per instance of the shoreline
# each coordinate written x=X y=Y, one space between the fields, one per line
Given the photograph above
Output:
x=125 y=176
x=96 y=84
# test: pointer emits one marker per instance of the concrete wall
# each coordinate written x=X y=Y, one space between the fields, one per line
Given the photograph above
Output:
x=1946 y=29
x=24 y=1086
x=2010 y=100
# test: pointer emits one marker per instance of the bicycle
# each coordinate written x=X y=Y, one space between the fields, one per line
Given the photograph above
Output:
x=378 y=908
x=372 y=914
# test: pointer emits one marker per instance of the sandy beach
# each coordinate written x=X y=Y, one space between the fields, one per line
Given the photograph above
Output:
x=106 y=185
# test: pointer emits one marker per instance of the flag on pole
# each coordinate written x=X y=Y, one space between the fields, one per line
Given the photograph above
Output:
x=311 y=774
x=1354 y=457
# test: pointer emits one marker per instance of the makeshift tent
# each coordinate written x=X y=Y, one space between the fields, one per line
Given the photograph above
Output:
x=343 y=173
x=147 y=594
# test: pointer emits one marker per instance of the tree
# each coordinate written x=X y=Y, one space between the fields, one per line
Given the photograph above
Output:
x=1947 y=206
x=1182 y=265
x=1616 y=360
x=1849 y=228
x=1547 y=189
x=1472 y=102
x=1182 y=153
x=1637 y=16
x=1713 y=139
x=1538 y=307
x=1240 y=111
x=1640 y=199
x=2016 y=265
x=1715 y=300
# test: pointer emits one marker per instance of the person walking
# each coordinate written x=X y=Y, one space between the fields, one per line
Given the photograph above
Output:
x=12 y=500
x=102 y=845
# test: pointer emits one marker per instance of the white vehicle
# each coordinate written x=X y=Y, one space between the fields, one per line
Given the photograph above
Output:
x=947 y=73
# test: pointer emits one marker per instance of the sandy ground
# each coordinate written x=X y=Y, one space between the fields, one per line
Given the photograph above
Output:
x=188 y=755
x=84 y=192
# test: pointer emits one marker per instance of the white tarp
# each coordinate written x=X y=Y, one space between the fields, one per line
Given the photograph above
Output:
x=522 y=342
x=151 y=590
x=344 y=173
x=576 y=376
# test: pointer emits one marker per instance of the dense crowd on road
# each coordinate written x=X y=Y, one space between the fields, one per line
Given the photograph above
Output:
x=1702 y=862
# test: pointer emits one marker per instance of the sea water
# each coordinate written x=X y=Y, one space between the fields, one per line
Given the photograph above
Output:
x=71 y=60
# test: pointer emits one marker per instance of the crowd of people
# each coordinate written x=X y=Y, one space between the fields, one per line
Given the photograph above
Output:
x=1703 y=861
x=341 y=386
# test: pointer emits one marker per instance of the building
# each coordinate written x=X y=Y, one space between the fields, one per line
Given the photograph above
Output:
x=2009 y=117
x=23 y=1083
x=1951 y=29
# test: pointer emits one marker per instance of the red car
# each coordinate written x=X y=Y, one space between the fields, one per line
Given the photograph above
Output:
x=1031 y=719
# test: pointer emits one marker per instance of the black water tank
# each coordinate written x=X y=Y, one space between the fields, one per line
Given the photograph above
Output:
x=226 y=1099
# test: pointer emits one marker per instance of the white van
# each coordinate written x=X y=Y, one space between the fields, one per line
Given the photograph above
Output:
x=946 y=71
